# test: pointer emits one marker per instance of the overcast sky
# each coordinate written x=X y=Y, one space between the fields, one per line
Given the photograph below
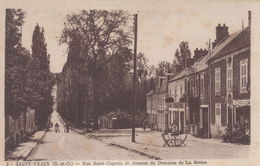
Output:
x=160 y=30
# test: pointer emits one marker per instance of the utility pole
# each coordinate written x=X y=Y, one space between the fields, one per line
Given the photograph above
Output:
x=134 y=80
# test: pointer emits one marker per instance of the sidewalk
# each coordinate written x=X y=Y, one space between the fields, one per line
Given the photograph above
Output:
x=150 y=142
x=24 y=149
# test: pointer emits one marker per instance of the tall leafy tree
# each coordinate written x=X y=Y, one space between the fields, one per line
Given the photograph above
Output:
x=40 y=80
x=16 y=64
x=102 y=34
x=164 y=67
x=13 y=25
x=181 y=55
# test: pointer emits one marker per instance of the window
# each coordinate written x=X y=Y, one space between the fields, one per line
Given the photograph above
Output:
x=218 y=114
x=229 y=77
x=181 y=93
x=161 y=102
x=197 y=87
x=243 y=75
x=202 y=85
x=175 y=94
x=191 y=87
x=217 y=80
x=172 y=92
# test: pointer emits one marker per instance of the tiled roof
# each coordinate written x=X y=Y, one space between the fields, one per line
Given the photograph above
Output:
x=201 y=64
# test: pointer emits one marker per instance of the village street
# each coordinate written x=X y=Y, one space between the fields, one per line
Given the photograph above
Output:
x=74 y=146
x=151 y=142
x=190 y=102
x=98 y=145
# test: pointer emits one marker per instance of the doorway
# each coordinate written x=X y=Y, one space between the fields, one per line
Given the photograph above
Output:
x=205 y=124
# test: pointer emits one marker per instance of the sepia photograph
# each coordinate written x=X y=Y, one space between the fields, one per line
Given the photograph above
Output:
x=127 y=84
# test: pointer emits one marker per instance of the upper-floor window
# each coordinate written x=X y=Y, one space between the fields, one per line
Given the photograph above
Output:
x=198 y=86
x=243 y=75
x=181 y=92
x=202 y=85
x=191 y=87
x=229 y=77
x=217 y=79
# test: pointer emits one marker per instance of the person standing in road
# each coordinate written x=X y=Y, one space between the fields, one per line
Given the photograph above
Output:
x=57 y=130
x=67 y=128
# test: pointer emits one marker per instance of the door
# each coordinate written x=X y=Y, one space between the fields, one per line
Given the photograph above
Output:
x=229 y=115
x=205 y=124
x=182 y=122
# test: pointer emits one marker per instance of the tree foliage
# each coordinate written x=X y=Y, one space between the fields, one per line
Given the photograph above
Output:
x=164 y=67
x=16 y=64
x=40 y=80
x=13 y=23
x=28 y=81
x=181 y=55
x=103 y=39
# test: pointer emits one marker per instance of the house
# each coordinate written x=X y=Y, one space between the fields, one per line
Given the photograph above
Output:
x=161 y=111
x=150 y=115
x=229 y=71
x=194 y=90
x=189 y=91
x=156 y=106
x=176 y=90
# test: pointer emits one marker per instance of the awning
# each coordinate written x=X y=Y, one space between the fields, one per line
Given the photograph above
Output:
x=241 y=103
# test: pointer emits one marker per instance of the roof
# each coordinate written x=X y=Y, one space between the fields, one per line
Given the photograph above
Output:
x=201 y=64
x=236 y=41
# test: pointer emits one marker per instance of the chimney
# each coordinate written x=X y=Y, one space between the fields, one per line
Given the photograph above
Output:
x=221 y=32
x=249 y=18
x=198 y=53
x=160 y=80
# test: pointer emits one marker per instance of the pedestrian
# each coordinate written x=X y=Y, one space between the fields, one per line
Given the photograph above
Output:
x=67 y=128
x=57 y=130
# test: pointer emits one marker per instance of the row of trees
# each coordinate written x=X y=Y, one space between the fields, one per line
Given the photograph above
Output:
x=28 y=80
x=97 y=77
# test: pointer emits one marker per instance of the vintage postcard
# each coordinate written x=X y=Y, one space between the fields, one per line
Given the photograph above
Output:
x=122 y=83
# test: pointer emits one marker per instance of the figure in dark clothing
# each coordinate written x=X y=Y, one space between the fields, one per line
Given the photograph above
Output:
x=57 y=130
x=66 y=128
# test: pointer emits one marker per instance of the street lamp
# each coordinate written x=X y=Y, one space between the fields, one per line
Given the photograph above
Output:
x=134 y=80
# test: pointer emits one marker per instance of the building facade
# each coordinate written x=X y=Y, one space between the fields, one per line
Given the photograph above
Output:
x=230 y=83
x=213 y=92
x=176 y=109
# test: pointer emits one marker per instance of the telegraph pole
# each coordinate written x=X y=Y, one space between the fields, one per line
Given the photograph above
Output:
x=134 y=80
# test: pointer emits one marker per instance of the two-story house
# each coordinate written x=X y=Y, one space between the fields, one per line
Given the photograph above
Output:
x=229 y=82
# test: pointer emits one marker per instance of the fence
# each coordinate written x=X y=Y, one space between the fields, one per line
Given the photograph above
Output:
x=20 y=128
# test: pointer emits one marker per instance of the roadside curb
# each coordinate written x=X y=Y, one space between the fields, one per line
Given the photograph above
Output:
x=38 y=142
x=36 y=145
x=127 y=148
